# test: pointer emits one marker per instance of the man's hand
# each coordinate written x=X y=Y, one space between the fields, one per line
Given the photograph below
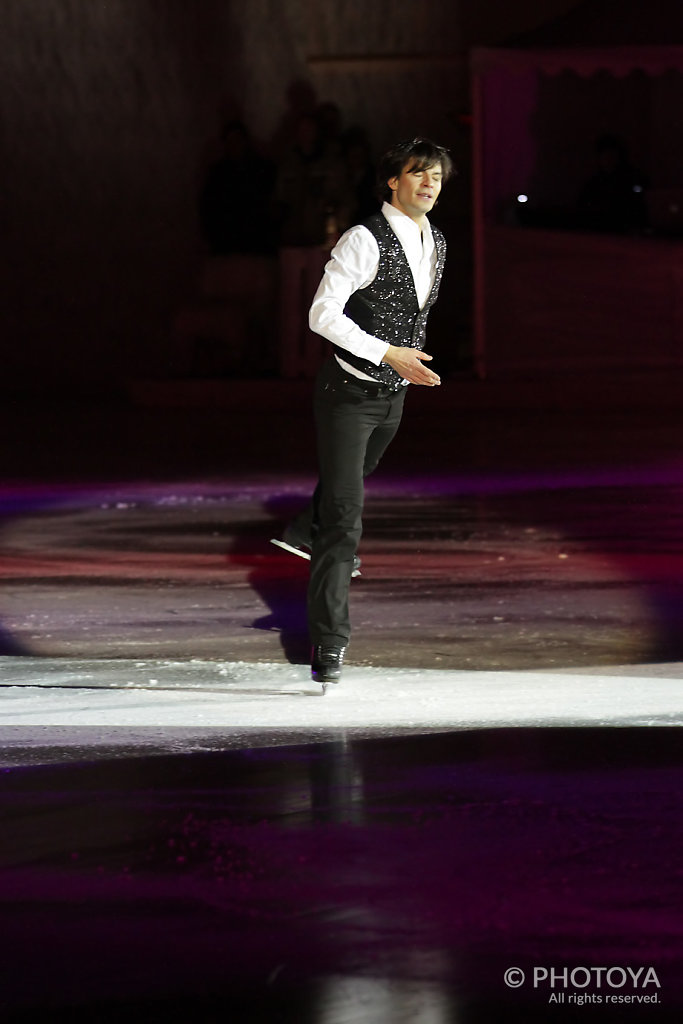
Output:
x=409 y=362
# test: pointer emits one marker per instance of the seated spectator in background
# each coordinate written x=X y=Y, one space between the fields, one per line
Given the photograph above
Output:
x=311 y=189
x=231 y=221
x=613 y=199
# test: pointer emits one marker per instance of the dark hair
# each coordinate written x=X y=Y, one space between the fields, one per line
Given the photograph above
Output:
x=417 y=154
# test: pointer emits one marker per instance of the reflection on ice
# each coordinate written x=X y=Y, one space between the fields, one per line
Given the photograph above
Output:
x=354 y=999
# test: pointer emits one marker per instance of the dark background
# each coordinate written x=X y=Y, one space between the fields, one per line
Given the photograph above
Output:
x=110 y=111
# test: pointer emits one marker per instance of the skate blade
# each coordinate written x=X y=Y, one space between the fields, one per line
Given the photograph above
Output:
x=302 y=554
x=290 y=547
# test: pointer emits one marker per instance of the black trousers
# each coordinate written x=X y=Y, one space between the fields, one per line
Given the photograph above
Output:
x=355 y=422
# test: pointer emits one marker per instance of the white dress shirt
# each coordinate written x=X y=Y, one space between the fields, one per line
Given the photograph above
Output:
x=353 y=264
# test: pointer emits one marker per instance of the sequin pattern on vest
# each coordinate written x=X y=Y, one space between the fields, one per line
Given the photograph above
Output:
x=388 y=308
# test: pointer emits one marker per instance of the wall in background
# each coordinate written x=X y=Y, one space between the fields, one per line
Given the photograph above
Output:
x=105 y=106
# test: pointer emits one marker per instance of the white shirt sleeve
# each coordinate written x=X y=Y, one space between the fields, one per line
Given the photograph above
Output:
x=353 y=264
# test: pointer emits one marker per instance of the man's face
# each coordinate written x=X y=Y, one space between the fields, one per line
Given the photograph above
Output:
x=416 y=191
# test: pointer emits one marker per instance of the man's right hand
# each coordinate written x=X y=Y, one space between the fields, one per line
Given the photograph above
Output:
x=409 y=362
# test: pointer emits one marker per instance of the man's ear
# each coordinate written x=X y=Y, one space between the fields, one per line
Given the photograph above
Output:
x=393 y=183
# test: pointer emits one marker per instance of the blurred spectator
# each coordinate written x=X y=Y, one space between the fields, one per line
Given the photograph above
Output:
x=236 y=201
x=300 y=99
x=311 y=189
x=613 y=199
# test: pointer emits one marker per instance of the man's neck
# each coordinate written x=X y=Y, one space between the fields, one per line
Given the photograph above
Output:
x=419 y=220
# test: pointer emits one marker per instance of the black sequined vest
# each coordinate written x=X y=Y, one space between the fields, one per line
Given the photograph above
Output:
x=388 y=308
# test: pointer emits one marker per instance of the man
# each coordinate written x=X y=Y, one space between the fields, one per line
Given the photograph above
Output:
x=372 y=304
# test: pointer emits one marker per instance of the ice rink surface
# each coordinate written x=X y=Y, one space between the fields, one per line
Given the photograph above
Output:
x=193 y=832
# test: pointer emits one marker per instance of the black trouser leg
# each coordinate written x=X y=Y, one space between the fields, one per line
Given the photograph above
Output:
x=353 y=429
x=304 y=526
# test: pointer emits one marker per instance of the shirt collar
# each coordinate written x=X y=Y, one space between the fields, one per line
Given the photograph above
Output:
x=406 y=228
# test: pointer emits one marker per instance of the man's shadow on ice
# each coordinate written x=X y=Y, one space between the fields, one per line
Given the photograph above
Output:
x=279 y=578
